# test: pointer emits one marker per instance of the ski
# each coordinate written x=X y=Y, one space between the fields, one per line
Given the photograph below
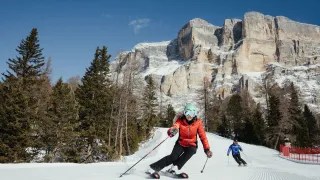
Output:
x=176 y=176
x=154 y=175
x=181 y=176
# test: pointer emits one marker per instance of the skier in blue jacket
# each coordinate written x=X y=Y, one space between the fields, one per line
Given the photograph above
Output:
x=236 y=148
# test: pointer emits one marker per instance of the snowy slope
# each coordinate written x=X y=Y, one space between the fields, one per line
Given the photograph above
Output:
x=263 y=164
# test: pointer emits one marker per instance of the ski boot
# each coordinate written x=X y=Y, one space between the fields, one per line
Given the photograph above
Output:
x=153 y=173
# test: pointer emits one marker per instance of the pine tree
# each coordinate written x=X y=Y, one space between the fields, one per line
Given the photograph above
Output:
x=249 y=133
x=31 y=82
x=149 y=107
x=94 y=100
x=224 y=128
x=273 y=118
x=295 y=115
x=167 y=121
x=313 y=130
x=214 y=108
x=259 y=126
x=62 y=123
x=285 y=124
x=235 y=112
x=15 y=127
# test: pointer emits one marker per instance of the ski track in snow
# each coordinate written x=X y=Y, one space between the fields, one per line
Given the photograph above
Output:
x=263 y=164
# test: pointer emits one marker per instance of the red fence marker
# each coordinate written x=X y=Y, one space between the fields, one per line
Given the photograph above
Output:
x=306 y=154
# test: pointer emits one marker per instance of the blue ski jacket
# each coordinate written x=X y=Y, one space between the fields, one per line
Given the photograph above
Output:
x=235 y=149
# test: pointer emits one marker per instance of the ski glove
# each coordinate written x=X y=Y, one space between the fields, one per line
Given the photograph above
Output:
x=172 y=131
x=208 y=153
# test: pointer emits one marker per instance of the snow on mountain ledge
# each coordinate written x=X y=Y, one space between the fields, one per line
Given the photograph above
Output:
x=147 y=45
x=157 y=62
x=149 y=59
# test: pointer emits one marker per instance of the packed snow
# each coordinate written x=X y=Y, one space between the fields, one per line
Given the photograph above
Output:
x=263 y=164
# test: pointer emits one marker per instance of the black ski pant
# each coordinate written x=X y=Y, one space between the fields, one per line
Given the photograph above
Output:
x=179 y=156
x=238 y=159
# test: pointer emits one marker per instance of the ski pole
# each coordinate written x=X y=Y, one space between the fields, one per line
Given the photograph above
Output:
x=144 y=156
x=228 y=160
x=204 y=165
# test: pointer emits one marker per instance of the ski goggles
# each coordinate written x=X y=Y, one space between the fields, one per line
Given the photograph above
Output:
x=190 y=113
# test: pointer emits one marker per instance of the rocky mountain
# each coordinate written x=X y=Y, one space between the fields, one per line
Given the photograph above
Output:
x=240 y=54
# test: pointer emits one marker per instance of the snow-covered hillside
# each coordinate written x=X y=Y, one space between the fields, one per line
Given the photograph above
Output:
x=263 y=164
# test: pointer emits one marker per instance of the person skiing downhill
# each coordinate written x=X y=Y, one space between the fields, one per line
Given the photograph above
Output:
x=236 y=148
x=188 y=125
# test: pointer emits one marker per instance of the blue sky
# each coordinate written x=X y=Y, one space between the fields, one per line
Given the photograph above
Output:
x=70 y=30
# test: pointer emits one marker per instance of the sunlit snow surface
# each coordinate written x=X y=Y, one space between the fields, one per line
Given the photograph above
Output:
x=263 y=164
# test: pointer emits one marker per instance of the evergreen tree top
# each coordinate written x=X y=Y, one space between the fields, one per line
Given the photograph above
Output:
x=30 y=61
x=99 y=68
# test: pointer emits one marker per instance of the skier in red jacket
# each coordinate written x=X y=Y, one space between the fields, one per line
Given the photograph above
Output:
x=189 y=126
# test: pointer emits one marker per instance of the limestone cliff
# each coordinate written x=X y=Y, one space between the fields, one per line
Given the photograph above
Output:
x=240 y=52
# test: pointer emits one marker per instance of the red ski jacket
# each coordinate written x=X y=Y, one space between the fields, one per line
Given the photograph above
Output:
x=188 y=133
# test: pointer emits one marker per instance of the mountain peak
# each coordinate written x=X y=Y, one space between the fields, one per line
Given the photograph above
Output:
x=198 y=22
